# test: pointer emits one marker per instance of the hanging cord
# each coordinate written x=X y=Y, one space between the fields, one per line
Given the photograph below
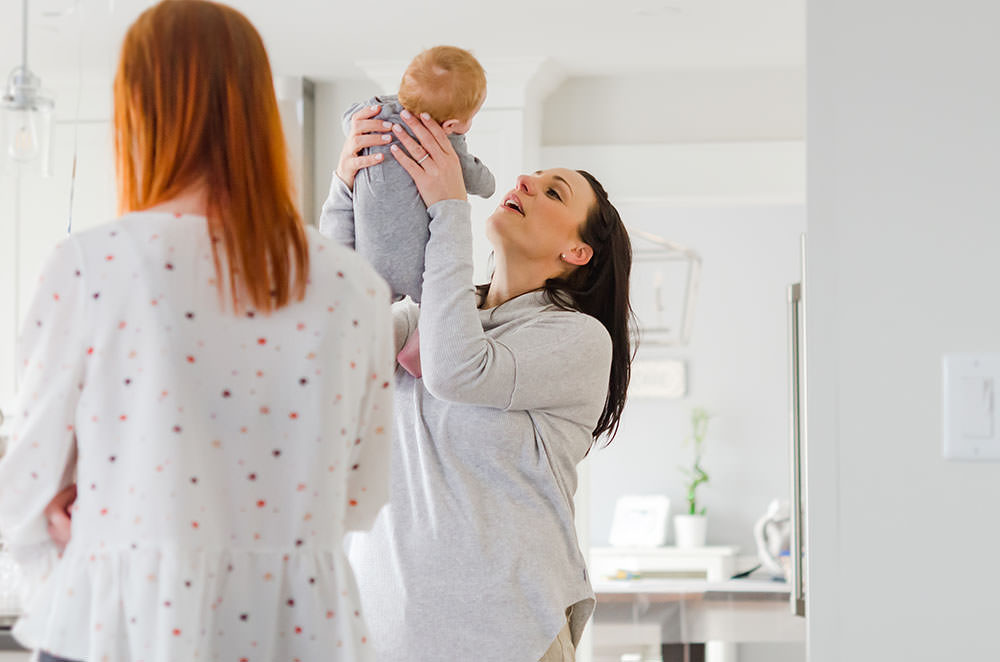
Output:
x=24 y=35
x=76 y=116
x=16 y=317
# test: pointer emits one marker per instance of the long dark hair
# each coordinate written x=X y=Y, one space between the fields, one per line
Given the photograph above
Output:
x=600 y=289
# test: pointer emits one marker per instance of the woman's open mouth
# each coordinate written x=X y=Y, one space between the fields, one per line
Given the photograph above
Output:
x=511 y=202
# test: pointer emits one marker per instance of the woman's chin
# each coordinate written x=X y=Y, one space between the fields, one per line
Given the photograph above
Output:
x=495 y=225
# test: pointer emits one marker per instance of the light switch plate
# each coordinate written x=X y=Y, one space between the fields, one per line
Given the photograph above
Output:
x=970 y=414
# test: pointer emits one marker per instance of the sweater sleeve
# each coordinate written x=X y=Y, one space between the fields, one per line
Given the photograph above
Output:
x=336 y=220
x=563 y=358
x=478 y=178
x=368 y=473
x=338 y=215
x=51 y=364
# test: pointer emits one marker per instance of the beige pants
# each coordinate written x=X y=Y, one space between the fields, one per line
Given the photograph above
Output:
x=562 y=649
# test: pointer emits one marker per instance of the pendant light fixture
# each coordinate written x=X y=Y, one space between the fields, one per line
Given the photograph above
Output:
x=26 y=138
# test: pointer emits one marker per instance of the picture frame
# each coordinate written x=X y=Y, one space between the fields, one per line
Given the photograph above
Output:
x=640 y=521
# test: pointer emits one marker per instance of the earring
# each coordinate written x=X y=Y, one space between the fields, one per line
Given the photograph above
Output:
x=562 y=256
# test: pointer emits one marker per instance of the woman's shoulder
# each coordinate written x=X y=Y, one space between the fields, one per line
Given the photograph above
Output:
x=330 y=262
x=102 y=236
x=571 y=325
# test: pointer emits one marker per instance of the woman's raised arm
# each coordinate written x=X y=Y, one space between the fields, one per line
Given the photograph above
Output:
x=337 y=218
x=459 y=361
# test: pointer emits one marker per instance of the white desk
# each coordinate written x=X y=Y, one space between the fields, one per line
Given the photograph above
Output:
x=637 y=616
x=734 y=587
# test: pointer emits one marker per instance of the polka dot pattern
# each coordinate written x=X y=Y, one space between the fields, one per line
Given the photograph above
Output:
x=211 y=450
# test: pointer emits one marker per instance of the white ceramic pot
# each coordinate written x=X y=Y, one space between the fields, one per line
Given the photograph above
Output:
x=690 y=530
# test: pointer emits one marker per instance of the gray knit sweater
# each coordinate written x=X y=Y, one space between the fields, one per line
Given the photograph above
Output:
x=476 y=556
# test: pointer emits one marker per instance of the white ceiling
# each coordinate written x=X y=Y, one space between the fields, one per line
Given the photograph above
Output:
x=324 y=38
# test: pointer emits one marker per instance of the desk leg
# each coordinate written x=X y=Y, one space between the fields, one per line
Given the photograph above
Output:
x=713 y=651
x=682 y=653
x=722 y=651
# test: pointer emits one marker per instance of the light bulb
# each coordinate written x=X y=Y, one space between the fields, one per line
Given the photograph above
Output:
x=23 y=146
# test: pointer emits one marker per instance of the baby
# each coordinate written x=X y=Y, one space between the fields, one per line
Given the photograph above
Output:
x=391 y=225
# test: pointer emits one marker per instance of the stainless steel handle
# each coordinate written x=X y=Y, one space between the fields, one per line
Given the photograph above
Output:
x=797 y=410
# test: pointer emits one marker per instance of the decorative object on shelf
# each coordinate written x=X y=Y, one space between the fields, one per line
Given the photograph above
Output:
x=27 y=115
x=665 y=278
x=691 y=528
x=690 y=531
x=640 y=521
x=773 y=533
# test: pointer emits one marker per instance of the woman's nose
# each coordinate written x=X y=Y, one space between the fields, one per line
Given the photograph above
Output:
x=526 y=183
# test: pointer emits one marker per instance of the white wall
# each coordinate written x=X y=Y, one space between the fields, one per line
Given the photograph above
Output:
x=737 y=368
x=693 y=173
x=740 y=205
x=904 y=160
x=683 y=106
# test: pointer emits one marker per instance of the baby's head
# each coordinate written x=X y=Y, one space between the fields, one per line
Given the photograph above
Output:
x=447 y=83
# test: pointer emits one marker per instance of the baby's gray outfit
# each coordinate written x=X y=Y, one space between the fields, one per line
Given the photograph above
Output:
x=393 y=230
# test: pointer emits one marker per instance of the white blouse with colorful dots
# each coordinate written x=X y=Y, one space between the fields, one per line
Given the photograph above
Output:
x=219 y=458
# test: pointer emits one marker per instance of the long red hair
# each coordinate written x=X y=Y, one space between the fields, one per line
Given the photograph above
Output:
x=195 y=106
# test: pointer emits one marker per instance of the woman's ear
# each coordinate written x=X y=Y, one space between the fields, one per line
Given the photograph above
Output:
x=579 y=255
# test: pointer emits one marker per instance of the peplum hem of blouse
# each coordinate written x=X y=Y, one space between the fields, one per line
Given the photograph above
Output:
x=160 y=604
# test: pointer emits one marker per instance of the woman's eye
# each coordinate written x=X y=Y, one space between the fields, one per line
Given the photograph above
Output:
x=552 y=193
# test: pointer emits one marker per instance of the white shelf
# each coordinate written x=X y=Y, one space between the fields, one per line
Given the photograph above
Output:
x=690 y=586
x=708 y=563
x=668 y=551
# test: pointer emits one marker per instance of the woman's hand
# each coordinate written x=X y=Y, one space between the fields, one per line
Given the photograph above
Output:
x=365 y=132
x=432 y=162
x=59 y=518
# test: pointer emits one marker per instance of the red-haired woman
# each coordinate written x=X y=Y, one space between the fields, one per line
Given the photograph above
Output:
x=218 y=376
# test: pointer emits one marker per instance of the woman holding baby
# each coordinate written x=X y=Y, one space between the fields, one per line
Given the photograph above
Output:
x=476 y=556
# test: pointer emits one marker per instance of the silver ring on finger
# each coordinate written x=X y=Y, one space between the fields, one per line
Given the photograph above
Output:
x=421 y=159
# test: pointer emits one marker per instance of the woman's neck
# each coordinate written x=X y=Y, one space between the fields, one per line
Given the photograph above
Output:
x=192 y=200
x=512 y=278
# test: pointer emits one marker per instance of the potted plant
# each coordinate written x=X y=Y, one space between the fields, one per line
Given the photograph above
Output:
x=690 y=528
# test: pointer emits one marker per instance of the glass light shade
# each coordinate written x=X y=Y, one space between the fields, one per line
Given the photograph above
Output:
x=26 y=126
